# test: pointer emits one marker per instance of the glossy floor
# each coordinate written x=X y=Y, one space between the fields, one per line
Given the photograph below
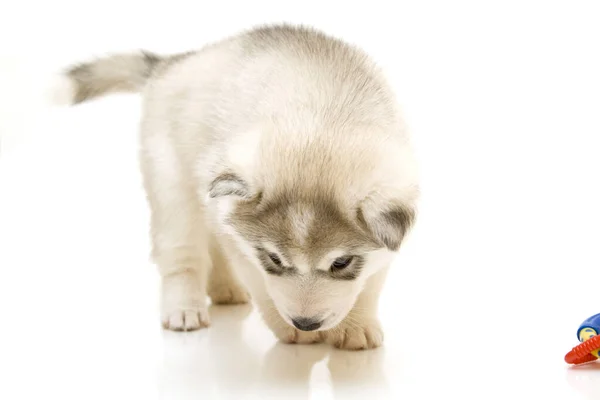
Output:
x=483 y=302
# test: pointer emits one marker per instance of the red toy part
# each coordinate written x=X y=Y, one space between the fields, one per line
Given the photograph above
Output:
x=581 y=353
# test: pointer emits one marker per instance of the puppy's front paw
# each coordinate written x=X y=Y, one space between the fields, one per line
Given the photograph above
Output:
x=287 y=333
x=356 y=335
x=183 y=305
x=291 y=335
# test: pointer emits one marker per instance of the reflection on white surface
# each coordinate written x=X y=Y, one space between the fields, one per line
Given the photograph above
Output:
x=222 y=360
x=585 y=379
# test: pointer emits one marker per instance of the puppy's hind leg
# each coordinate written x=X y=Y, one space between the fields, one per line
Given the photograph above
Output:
x=224 y=287
x=179 y=236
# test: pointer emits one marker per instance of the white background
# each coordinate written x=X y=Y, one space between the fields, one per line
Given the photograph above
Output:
x=503 y=100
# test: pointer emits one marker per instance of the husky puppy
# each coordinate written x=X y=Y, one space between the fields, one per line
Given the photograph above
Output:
x=277 y=168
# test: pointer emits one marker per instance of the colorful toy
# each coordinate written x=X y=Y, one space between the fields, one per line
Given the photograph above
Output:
x=589 y=348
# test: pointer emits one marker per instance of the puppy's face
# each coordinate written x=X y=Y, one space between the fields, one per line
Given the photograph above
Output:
x=315 y=257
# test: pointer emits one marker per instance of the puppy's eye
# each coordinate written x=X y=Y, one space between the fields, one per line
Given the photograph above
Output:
x=341 y=262
x=275 y=259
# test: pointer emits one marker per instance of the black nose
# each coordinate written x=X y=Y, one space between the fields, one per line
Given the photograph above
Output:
x=307 y=324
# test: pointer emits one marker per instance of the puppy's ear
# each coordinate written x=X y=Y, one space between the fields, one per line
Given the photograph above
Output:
x=229 y=184
x=388 y=224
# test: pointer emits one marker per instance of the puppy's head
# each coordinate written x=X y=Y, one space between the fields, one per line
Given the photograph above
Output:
x=315 y=254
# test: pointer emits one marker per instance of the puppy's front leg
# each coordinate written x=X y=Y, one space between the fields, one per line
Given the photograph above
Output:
x=179 y=232
x=361 y=330
x=184 y=270
x=183 y=303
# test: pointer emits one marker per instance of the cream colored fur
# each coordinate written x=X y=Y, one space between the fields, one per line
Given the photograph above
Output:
x=272 y=112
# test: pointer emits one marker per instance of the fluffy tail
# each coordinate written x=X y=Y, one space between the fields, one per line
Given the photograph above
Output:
x=126 y=72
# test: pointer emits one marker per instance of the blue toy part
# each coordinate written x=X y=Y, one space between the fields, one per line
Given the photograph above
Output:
x=592 y=322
